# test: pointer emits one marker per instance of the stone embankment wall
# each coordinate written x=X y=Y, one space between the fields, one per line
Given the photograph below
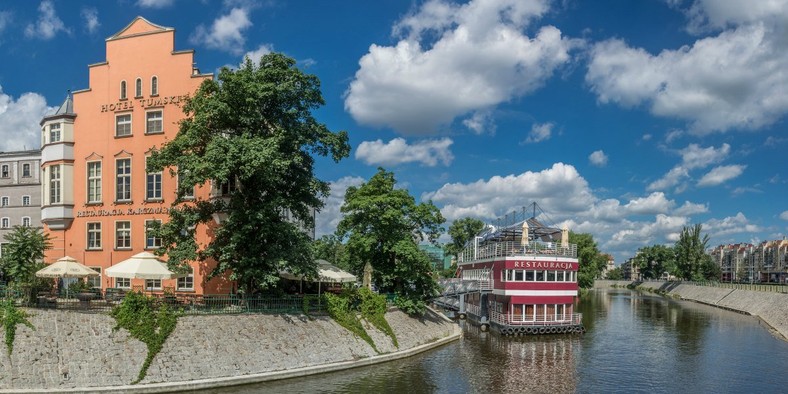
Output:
x=81 y=350
x=771 y=308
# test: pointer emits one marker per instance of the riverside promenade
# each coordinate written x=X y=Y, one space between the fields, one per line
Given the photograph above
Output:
x=80 y=352
x=769 y=307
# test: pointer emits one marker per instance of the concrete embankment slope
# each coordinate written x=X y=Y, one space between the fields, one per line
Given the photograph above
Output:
x=771 y=308
x=80 y=352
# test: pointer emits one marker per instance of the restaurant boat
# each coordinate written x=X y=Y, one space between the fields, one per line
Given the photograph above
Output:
x=518 y=277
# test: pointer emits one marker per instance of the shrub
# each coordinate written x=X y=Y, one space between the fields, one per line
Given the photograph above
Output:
x=10 y=316
x=146 y=322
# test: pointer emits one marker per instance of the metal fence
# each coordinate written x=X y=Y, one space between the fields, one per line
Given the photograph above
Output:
x=186 y=304
x=770 y=288
x=512 y=249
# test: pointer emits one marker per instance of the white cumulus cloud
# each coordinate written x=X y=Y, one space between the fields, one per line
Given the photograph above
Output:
x=730 y=225
x=398 y=151
x=328 y=218
x=453 y=60
x=226 y=33
x=19 y=121
x=90 y=16
x=721 y=174
x=674 y=177
x=733 y=80
x=48 y=23
x=154 y=3
x=258 y=53
x=784 y=215
x=539 y=132
x=598 y=158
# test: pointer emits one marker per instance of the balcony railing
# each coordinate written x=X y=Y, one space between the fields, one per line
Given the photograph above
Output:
x=510 y=319
x=512 y=248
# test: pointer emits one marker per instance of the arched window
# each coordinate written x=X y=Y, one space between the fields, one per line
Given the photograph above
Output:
x=122 y=90
x=138 y=88
x=154 y=86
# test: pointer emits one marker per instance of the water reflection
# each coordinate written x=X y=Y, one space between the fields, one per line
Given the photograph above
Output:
x=634 y=343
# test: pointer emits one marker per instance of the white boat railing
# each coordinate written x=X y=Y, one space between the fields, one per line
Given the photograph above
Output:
x=512 y=248
x=510 y=319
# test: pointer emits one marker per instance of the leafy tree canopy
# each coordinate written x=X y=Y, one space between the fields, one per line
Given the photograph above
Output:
x=592 y=262
x=655 y=260
x=615 y=274
x=251 y=130
x=23 y=253
x=692 y=262
x=331 y=249
x=383 y=225
x=462 y=231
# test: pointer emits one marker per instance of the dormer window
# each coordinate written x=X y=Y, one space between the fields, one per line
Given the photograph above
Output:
x=122 y=90
x=138 y=88
x=154 y=86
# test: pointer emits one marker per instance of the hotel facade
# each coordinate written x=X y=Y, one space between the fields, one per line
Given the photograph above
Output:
x=97 y=197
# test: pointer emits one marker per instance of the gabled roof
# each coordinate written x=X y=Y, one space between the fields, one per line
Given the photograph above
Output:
x=139 y=26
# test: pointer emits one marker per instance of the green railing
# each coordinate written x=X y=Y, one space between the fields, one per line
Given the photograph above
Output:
x=187 y=304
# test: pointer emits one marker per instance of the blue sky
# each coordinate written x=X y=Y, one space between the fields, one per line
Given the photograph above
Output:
x=624 y=119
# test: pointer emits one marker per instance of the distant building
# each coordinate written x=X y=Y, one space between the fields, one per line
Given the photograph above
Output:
x=743 y=262
x=440 y=260
x=630 y=269
x=20 y=191
x=611 y=265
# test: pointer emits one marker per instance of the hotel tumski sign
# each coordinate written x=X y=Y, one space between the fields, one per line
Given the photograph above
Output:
x=127 y=105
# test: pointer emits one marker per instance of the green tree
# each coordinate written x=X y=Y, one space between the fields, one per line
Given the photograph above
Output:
x=654 y=260
x=462 y=231
x=592 y=262
x=252 y=132
x=23 y=254
x=383 y=225
x=330 y=248
x=692 y=262
x=615 y=274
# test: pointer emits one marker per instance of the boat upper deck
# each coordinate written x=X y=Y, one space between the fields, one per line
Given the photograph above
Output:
x=490 y=250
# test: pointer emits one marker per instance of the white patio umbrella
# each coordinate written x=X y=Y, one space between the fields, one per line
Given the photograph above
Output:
x=326 y=273
x=143 y=265
x=66 y=267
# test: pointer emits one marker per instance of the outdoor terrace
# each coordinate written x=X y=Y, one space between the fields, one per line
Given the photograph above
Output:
x=489 y=250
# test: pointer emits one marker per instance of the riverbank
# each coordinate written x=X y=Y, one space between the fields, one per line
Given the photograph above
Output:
x=80 y=352
x=771 y=308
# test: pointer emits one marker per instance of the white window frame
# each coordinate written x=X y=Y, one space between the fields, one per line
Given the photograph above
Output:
x=186 y=196
x=94 y=181
x=55 y=183
x=156 y=242
x=126 y=229
x=123 y=180
x=186 y=283
x=153 y=185
x=152 y=284
x=95 y=281
x=5 y=222
x=138 y=88
x=119 y=123
x=154 y=86
x=25 y=201
x=26 y=173
x=123 y=90
x=122 y=283
x=4 y=201
x=94 y=243
x=26 y=219
x=2 y=247
x=4 y=171
x=156 y=121
x=55 y=132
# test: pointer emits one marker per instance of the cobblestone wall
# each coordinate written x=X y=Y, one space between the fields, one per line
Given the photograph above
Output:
x=72 y=350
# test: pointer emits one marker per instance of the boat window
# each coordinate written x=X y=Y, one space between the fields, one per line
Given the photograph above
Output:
x=540 y=276
x=518 y=275
x=529 y=276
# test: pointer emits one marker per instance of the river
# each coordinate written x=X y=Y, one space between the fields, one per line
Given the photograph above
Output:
x=635 y=342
